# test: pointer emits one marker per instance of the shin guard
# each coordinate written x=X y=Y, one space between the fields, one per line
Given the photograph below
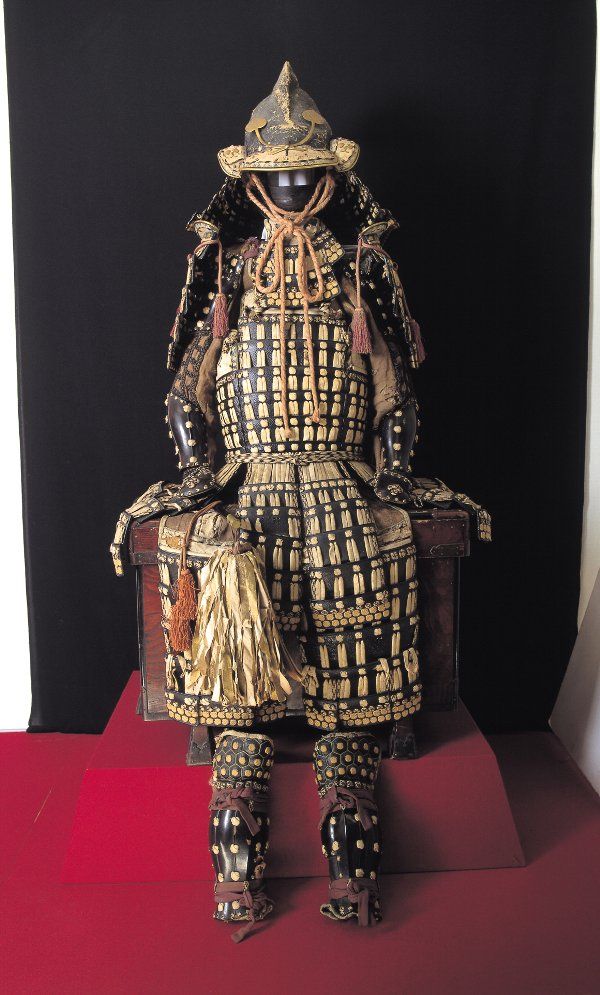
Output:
x=346 y=766
x=239 y=827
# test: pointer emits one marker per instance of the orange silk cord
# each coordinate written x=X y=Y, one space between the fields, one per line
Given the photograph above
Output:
x=290 y=224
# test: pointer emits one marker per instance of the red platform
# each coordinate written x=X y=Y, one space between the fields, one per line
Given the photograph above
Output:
x=142 y=813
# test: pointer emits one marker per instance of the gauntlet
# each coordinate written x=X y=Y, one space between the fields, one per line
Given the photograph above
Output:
x=397 y=433
x=187 y=428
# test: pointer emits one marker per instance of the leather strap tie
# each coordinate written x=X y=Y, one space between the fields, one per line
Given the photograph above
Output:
x=358 y=891
x=338 y=798
x=251 y=895
x=239 y=799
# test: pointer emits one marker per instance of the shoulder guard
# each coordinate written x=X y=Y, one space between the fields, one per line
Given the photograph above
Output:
x=233 y=219
x=385 y=296
x=353 y=214
x=194 y=314
x=384 y=293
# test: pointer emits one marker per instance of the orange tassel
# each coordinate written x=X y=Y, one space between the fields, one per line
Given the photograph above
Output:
x=220 y=318
x=183 y=612
x=220 y=315
x=185 y=609
x=361 y=339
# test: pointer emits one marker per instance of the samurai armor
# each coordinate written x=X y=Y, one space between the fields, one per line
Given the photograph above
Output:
x=277 y=409
x=239 y=827
x=346 y=766
x=286 y=552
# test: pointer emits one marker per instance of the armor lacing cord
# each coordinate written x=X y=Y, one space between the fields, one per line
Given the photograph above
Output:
x=358 y=891
x=290 y=224
x=338 y=797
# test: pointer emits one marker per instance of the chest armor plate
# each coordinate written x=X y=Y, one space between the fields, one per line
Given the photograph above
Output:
x=249 y=369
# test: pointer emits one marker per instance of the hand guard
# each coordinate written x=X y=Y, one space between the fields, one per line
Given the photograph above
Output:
x=198 y=481
x=395 y=487
x=162 y=498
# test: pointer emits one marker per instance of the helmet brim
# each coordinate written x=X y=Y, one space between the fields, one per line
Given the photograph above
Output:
x=342 y=155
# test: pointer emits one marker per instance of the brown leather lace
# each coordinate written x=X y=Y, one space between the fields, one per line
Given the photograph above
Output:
x=244 y=800
x=358 y=891
x=251 y=895
x=290 y=224
x=339 y=797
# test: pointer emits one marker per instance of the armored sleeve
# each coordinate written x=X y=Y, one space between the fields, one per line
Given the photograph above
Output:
x=190 y=402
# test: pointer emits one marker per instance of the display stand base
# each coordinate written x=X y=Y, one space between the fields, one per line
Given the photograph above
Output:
x=142 y=814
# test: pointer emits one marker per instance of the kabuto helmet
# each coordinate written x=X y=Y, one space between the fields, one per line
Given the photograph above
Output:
x=286 y=131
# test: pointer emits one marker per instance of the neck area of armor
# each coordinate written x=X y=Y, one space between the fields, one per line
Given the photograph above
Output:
x=291 y=189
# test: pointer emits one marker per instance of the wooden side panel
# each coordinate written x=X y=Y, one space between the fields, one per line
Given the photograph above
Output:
x=143 y=542
x=151 y=643
x=441 y=534
x=438 y=635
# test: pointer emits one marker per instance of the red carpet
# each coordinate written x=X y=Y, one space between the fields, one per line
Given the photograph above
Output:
x=446 y=811
x=502 y=932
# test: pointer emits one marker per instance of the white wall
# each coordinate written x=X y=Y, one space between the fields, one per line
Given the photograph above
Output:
x=15 y=692
x=576 y=715
x=590 y=554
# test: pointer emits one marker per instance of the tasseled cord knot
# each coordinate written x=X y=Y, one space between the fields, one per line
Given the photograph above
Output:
x=290 y=224
x=220 y=314
x=185 y=608
x=361 y=339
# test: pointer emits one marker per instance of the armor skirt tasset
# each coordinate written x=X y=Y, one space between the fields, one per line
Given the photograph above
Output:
x=341 y=573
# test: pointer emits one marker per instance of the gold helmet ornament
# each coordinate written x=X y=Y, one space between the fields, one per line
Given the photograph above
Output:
x=286 y=131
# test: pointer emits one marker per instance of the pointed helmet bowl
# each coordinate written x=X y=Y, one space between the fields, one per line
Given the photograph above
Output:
x=286 y=131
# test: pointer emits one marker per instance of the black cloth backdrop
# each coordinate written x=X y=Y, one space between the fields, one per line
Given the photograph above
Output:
x=475 y=121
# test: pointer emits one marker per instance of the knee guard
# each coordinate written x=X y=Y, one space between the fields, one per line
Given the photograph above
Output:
x=239 y=827
x=346 y=766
